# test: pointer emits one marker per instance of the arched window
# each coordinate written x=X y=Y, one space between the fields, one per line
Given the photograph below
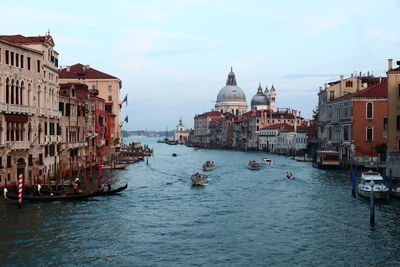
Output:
x=12 y=92
x=369 y=110
x=369 y=133
x=21 y=102
x=398 y=95
x=16 y=93
x=7 y=91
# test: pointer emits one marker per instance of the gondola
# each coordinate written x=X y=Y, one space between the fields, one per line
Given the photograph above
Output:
x=48 y=198
x=113 y=191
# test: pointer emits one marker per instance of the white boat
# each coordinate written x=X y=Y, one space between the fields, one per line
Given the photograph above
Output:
x=267 y=161
x=199 y=179
x=209 y=165
x=372 y=180
x=395 y=191
x=254 y=165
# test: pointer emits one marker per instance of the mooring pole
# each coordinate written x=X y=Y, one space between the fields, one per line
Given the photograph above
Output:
x=353 y=182
x=372 y=204
x=20 y=191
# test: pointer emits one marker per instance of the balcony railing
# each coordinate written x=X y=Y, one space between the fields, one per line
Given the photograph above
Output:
x=3 y=107
x=14 y=108
x=18 y=145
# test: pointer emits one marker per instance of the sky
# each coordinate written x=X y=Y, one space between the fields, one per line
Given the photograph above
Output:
x=173 y=56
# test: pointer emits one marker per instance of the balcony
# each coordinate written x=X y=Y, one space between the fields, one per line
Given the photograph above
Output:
x=3 y=107
x=49 y=112
x=13 y=108
x=19 y=145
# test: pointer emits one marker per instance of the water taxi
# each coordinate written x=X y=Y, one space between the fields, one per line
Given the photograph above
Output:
x=209 y=165
x=372 y=181
x=327 y=159
x=199 y=179
x=116 y=166
x=267 y=161
x=254 y=165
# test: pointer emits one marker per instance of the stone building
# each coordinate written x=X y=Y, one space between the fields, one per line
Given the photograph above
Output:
x=231 y=98
x=108 y=87
x=264 y=100
x=181 y=134
x=77 y=126
x=29 y=113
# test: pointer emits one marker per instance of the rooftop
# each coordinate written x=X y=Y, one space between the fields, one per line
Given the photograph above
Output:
x=80 y=71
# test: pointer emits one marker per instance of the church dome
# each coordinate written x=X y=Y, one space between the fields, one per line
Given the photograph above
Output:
x=260 y=99
x=231 y=92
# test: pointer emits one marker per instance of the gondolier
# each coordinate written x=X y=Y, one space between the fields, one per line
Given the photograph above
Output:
x=5 y=192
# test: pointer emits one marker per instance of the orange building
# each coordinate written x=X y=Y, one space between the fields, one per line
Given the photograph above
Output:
x=369 y=116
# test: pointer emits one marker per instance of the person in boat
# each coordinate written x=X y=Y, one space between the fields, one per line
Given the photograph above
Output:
x=5 y=192
x=75 y=185
x=77 y=181
x=39 y=188
x=109 y=187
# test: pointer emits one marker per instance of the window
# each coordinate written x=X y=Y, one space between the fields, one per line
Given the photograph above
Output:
x=8 y=161
x=330 y=133
x=28 y=63
x=61 y=107
x=332 y=94
x=38 y=65
x=346 y=133
x=67 y=109
x=369 y=111
x=1 y=163
x=110 y=88
x=30 y=163
x=398 y=122
x=12 y=58
x=22 y=61
x=16 y=59
x=369 y=133
x=40 y=158
x=7 y=57
x=45 y=128
x=109 y=98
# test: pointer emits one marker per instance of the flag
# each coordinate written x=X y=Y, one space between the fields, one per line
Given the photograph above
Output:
x=126 y=118
x=125 y=100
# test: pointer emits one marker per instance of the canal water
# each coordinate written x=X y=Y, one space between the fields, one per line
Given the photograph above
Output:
x=242 y=217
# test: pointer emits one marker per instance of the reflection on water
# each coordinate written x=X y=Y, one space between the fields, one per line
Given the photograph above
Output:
x=241 y=217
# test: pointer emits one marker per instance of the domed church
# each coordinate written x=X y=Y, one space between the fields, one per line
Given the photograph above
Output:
x=264 y=100
x=231 y=97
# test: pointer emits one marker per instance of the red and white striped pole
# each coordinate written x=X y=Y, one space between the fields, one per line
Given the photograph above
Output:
x=20 y=191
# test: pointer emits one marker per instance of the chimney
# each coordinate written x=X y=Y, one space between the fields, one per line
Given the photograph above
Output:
x=320 y=88
x=87 y=67
x=326 y=85
x=398 y=63
x=341 y=78
x=68 y=68
x=390 y=63
x=380 y=79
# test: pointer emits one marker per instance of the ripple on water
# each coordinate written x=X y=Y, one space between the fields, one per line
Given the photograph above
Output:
x=241 y=217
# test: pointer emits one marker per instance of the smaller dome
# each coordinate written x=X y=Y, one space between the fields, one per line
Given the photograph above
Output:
x=266 y=90
x=260 y=99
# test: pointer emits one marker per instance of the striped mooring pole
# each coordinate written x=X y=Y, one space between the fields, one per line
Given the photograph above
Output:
x=20 y=191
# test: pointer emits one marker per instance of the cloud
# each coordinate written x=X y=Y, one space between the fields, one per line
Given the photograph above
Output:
x=179 y=35
x=176 y=72
x=245 y=63
x=66 y=40
x=385 y=37
x=311 y=75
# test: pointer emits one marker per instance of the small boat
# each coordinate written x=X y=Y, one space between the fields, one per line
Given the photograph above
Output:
x=372 y=181
x=395 y=191
x=160 y=141
x=254 y=165
x=49 y=198
x=209 y=165
x=112 y=191
x=289 y=175
x=199 y=179
x=174 y=154
x=116 y=166
x=267 y=161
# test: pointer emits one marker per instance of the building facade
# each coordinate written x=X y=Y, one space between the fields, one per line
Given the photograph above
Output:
x=108 y=87
x=28 y=109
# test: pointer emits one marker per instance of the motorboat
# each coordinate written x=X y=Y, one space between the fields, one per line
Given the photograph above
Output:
x=267 y=161
x=199 y=179
x=289 y=175
x=254 y=165
x=209 y=165
x=395 y=191
x=372 y=181
x=174 y=154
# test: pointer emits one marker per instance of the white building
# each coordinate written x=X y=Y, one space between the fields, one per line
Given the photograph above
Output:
x=231 y=98
x=181 y=135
